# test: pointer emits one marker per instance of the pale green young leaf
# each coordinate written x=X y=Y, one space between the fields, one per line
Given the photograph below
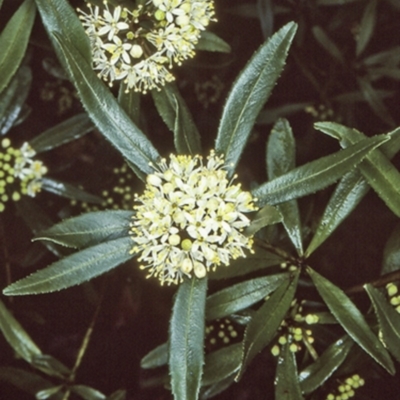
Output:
x=287 y=385
x=380 y=173
x=242 y=295
x=244 y=265
x=156 y=357
x=14 y=41
x=268 y=215
x=221 y=364
x=59 y=16
x=68 y=130
x=315 y=375
x=105 y=112
x=74 y=269
x=209 y=41
x=389 y=320
x=12 y=99
x=249 y=93
x=266 y=320
x=281 y=158
x=89 y=229
x=16 y=336
x=69 y=191
x=351 y=319
x=367 y=26
x=186 y=338
x=176 y=115
x=315 y=175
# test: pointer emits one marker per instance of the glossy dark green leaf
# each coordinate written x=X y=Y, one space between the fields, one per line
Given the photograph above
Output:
x=265 y=322
x=58 y=16
x=176 y=115
x=74 y=269
x=16 y=336
x=221 y=364
x=27 y=381
x=14 y=41
x=69 y=191
x=330 y=360
x=367 y=26
x=50 y=366
x=105 y=112
x=89 y=229
x=315 y=175
x=351 y=319
x=12 y=99
x=186 y=338
x=380 y=173
x=389 y=320
x=375 y=101
x=268 y=215
x=281 y=158
x=391 y=253
x=348 y=193
x=129 y=100
x=209 y=41
x=249 y=93
x=245 y=265
x=327 y=44
x=71 y=129
x=156 y=357
x=242 y=295
x=87 y=393
x=287 y=386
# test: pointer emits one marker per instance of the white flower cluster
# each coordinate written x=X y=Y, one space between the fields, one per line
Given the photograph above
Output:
x=18 y=163
x=140 y=46
x=190 y=219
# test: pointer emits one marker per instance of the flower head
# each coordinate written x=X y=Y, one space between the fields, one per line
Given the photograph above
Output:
x=18 y=166
x=139 y=46
x=190 y=219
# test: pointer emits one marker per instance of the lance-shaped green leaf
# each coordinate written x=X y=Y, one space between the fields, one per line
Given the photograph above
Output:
x=391 y=252
x=50 y=366
x=380 y=173
x=209 y=41
x=129 y=100
x=348 y=193
x=351 y=319
x=367 y=26
x=156 y=357
x=49 y=393
x=266 y=320
x=71 y=129
x=331 y=359
x=14 y=41
x=281 y=153
x=12 y=99
x=268 y=215
x=389 y=320
x=287 y=385
x=221 y=364
x=315 y=175
x=16 y=336
x=327 y=44
x=118 y=395
x=28 y=382
x=89 y=229
x=242 y=295
x=74 y=269
x=69 y=191
x=87 y=393
x=58 y=16
x=105 y=111
x=186 y=338
x=249 y=93
x=176 y=115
